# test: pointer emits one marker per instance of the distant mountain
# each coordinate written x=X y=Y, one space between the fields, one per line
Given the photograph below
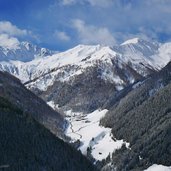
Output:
x=159 y=54
x=143 y=118
x=27 y=145
x=24 y=52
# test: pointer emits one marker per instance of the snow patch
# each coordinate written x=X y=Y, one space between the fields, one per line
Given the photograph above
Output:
x=138 y=84
x=119 y=87
x=156 y=167
x=131 y=41
x=155 y=89
x=53 y=105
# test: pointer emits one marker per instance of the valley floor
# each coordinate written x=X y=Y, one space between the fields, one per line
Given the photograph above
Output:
x=93 y=137
x=156 y=167
x=86 y=128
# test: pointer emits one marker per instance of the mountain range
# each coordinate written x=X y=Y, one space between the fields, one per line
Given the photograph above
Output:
x=112 y=103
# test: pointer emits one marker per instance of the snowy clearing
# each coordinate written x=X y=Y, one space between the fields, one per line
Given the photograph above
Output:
x=86 y=128
x=156 y=167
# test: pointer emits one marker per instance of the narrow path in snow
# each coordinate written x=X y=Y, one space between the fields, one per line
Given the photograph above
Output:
x=74 y=131
x=85 y=126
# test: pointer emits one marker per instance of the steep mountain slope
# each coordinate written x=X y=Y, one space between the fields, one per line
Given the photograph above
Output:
x=139 y=47
x=143 y=118
x=12 y=89
x=92 y=72
x=27 y=145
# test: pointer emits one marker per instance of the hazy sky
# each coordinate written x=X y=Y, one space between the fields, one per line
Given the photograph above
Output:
x=61 y=24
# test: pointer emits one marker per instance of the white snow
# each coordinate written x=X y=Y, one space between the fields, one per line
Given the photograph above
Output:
x=108 y=75
x=31 y=64
x=79 y=58
x=53 y=105
x=157 y=87
x=86 y=128
x=163 y=55
x=22 y=51
x=138 y=84
x=131 y=41
x=119 y=87
x=156 y=167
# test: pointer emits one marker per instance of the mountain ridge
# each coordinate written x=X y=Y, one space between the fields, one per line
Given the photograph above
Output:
x=79 y=58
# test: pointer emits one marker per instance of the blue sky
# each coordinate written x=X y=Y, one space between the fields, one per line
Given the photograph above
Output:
x=62 y=24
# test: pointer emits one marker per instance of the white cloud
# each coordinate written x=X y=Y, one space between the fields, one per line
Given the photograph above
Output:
x=8 y=28
x=99 y=3
x=68 y=2
x=90 y=34
x=8 y=42
x=61 y=35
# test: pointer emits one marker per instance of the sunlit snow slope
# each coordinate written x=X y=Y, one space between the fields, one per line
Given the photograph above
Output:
x=156 y=167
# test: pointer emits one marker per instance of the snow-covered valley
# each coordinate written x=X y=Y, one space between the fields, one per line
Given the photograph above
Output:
x=94 y=138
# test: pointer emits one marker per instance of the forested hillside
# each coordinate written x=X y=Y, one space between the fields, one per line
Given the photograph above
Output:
x=26 y=145
x=143 y=118
x=12 y=89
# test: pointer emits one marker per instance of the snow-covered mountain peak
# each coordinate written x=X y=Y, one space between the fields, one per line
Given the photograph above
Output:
x=139 y=47
x=31 y=62
x=23 y=51
x=73 y=56
x=82 y=49
x=81 y=55
x=104 y=53
x=140 y=42
x=137 y=40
